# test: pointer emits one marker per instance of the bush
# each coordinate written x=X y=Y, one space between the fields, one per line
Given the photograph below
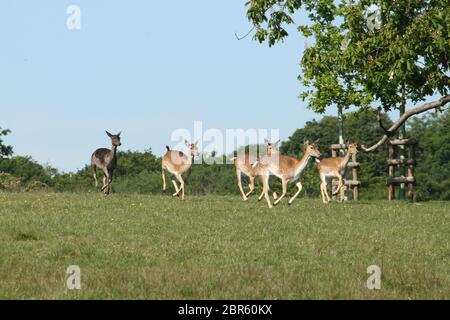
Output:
x=27 y=169
x=8 y=182
x=37 y=186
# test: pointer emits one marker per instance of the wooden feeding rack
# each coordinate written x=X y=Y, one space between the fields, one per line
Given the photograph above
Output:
x=352 y=184
x=395 y=161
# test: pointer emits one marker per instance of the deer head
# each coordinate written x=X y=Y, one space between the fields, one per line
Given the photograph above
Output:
x=271 y=147
x=352 y=148
x=115 y=138
x=193 y=149
x=312 y=149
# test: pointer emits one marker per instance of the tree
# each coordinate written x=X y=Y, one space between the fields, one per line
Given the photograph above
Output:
x=433 y=155
x=389 y=53
x=27 y=169
x=5 y=151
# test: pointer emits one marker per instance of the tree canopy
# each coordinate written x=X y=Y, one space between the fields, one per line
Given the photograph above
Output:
x=365 y=51
x=5 y=150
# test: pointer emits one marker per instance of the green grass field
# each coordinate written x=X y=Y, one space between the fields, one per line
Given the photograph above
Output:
x=157 y=247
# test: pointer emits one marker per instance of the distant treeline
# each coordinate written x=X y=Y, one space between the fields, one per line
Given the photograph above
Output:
x=140 y=172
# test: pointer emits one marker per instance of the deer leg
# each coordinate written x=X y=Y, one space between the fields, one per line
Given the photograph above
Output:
x=105 y=188
x=251 y=185
x=321 y=192
x=340 y=185
x=262 y=193
x=284 y=187
x=177 y=190
x=239 y=181
x=164 y=179
x=342 y=193
x=265 y=181
x=299 y=186
x=180 y=178
x=274 y=194
x=94 y=173
x=110 y=179
x=105 y=177
x=323 y=189
x=108 y=182
x=325 y=192
x=104 y=182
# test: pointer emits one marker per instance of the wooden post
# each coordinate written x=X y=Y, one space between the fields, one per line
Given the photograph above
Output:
x=333 y=181
x=333 y=153
x=355 y=178
x=401 y=147
x=412 y=158
x=342 y=192
x=391 y=190
x=396 y=157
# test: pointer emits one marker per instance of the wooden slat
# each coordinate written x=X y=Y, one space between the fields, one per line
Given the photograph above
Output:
x=354 y=183
x=353 y=164
x=398 y=142
x=401 y=161
x=350 y=183
x=398 y=180
x=338 y=146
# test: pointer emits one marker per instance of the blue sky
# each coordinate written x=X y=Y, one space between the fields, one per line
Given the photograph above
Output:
x=144 y=67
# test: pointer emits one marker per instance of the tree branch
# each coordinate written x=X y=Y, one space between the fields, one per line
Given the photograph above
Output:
x=245 y=36
x=380 y=122
x=427 y=106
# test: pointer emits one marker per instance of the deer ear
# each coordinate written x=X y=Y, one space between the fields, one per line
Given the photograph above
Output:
x=196 y=143
x=317 y=141
x=266 y=141
x=306 y=142
x=109 y=134
x=119 y=134
x=277 y=143
x=186 y=142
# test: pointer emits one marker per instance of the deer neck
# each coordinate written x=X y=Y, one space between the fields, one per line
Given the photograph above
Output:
x=272 y=153
x=190 y=159
x=113 y=152
x=345 y=160
x=301 y=165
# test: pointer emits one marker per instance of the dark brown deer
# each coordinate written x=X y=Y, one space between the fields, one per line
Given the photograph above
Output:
x=106 y=160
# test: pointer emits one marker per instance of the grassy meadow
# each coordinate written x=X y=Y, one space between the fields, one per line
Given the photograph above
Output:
x=132 y=246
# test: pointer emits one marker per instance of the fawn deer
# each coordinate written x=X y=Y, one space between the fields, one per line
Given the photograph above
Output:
x=177 y=163
x=334 y=167
x=244 y=164
x=288 y=169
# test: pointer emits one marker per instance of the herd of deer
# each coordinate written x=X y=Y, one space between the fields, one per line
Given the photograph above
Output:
x=286 y=168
